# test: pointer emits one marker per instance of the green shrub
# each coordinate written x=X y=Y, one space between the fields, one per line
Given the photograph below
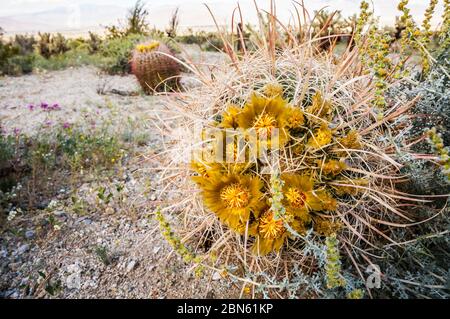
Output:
x=136 y=23
x=94 y=43
x=7 y=51
x=208 y=41
x=73 y=58
x=19 y=64
x=25 y=43
x=11 y=60
x=117 y=54
x=77 y=44
x=6 y=149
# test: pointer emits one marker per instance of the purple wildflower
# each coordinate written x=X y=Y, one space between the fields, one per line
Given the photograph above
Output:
x=16 y=131
x=44 y=106
x=66 y=125
x=31 y=107
x=55 y=107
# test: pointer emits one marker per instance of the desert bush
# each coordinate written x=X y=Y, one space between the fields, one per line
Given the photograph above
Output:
x=7 y=163
x=136 y=23
x=431 y=110
x=7 y=150
x=7 y=51
x=20 y=64
x=207 y=41
x=117 y=53
x=49 y=45
x=327 y=27
x=11 y=60
x=72 y=58
x=172 y=29
x=77 y=44
x=94 y=42
x=25 y=43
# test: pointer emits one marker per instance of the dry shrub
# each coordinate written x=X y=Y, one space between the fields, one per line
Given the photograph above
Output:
x=281 y=229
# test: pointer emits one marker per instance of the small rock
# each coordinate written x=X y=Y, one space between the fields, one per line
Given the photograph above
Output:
x=24 y=281
x=30 y=234
x=22 y=249
x=131 y=266
x=153 y=197
x=74 y=268
x=156 y=250
x=14 y=266
x=216 y=276
x=13 y=293
x=73 y=281
x=87 y=221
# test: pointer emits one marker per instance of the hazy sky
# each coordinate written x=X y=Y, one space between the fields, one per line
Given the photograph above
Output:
x=386 y=9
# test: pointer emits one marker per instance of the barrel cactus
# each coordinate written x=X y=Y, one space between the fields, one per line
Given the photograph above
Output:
x=154 y=67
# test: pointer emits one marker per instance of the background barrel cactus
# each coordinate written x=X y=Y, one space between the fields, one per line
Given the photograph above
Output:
x=154 y=66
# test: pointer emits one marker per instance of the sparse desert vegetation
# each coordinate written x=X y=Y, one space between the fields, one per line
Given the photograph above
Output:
x=300 y=160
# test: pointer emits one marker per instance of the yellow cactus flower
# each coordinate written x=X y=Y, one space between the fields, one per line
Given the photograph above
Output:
x=229 y=118
x=325 y=227
x=322 y=137
x=232 y=197
x=205 y=168
x=351 y=140
x=142 y=48
x=273 y=90
x=271 y=234
x=332 y=167
x=296 y=118
x=300 y=198
x=264 y=115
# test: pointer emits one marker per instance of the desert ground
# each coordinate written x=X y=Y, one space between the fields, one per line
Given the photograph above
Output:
x=117 y=251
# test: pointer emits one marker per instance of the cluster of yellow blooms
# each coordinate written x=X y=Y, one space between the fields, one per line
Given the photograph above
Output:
x=311 y=184
x=143 y=48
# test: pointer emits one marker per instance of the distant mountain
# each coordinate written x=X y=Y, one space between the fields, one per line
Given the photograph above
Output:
x=63 y=19
x=192 y=13
x=80 y=19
